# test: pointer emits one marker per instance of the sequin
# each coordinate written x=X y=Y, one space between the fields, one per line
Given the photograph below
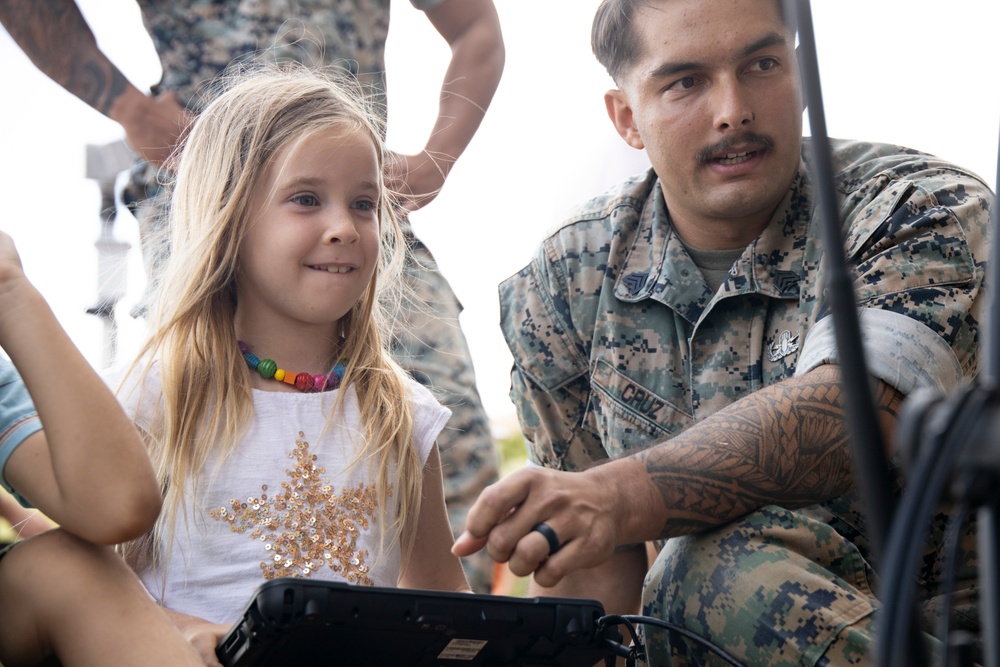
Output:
x=307 y=524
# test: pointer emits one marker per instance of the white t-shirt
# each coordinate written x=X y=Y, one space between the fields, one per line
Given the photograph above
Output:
x=283 y=504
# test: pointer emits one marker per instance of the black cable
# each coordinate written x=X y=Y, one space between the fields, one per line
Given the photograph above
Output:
x=618 y=619
x=907 y=527
x=952 y=540
x=907 y=535
x=629 y=620
x=909 y=532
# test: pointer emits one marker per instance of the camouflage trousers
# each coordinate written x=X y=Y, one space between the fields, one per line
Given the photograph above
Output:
x=776 y=588
x=427 y=342
x=430 y=345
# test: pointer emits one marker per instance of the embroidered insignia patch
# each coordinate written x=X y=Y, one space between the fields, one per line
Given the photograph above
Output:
x=634 y=282
x=787 y=283
x=784 y=346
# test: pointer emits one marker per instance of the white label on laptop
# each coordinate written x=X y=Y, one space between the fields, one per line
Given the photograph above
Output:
x=462 y=649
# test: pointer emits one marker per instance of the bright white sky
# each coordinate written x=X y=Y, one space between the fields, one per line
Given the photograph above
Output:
x=915 y=72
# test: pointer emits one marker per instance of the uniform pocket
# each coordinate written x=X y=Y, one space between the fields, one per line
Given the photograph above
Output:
x=628 y=416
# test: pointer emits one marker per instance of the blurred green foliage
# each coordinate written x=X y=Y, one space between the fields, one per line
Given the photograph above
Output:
x=513 y=454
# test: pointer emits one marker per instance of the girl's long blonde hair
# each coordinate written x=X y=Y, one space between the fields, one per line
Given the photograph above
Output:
x=207 y=401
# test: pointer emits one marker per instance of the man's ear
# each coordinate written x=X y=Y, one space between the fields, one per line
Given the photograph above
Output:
x=620 y=113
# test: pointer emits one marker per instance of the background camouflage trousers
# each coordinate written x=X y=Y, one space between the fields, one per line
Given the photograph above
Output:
x=427 y=342
x=776 y=588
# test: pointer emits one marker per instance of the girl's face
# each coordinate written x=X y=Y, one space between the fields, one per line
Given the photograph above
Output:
x=313 y=243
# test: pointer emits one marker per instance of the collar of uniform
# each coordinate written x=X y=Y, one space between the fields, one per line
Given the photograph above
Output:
x=772 y=264
x=657 y=265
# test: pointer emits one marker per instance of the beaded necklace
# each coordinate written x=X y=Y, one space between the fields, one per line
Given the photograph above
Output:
x=304 y=382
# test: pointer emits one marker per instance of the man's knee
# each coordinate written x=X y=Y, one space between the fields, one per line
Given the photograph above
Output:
x=754 y=588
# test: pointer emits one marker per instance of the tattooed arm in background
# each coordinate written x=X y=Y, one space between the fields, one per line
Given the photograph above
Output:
x=57 y=39
x=785 y=445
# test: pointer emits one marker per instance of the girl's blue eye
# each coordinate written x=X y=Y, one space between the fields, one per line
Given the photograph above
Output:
x=365 y=205
x=305 y=200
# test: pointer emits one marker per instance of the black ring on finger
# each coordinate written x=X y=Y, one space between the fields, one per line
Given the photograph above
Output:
x=549 y=534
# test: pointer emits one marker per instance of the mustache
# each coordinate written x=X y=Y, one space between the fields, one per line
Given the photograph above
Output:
x=760 y=141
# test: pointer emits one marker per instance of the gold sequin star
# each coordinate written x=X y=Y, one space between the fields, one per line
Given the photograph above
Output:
x=307 y=524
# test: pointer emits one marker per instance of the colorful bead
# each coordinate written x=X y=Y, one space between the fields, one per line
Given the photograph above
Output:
x=303 y=382
x=268 y=368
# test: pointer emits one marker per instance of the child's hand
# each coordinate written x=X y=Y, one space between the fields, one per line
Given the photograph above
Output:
x=202 y=634
x=10 y=261
x=204 y=637
x=16 y=291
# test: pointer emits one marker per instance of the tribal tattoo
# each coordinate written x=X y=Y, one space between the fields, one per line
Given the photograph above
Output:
x=787 y=445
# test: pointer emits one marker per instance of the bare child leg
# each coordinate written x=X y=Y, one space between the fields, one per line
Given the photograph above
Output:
x=53 y=587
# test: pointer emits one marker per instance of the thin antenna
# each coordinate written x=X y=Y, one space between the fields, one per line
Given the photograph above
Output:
x=871 y=468
x=990 y=375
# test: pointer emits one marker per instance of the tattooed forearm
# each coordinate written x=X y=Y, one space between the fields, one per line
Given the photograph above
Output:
x=57 y=39
x=786 y=444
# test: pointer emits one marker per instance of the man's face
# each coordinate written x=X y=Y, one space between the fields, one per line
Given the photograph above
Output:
x=715 y=101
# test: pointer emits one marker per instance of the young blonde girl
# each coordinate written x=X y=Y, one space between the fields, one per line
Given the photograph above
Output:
x=284 y=248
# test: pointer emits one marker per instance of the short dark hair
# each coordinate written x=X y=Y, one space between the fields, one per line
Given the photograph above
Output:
x=611 y=36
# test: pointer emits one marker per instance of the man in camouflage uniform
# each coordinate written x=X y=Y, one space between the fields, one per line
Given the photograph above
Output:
x=196 y=41
x=675 y=364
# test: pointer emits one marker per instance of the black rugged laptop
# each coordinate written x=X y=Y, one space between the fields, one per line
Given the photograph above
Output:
x=304 y=622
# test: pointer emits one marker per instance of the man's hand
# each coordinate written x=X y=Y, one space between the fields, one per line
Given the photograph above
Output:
x=472 y=30
x=416 y=179
x=579 y=507
x=153 y=125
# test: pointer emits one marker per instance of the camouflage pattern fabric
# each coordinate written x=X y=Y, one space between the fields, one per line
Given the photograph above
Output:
x=762 y=616
x=196 y=40
x=779 y=588
x=619 y=343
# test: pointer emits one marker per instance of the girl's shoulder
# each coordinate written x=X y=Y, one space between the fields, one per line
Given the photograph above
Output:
x=429 y=416
x=420 y=396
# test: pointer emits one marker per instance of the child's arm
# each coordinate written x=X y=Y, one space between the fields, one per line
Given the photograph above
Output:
x=88 y=470
x=431 y=564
